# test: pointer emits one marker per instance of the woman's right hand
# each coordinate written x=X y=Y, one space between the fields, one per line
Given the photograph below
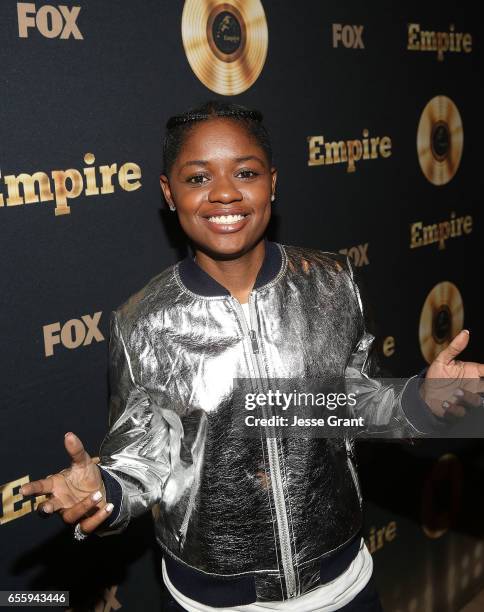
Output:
x=72 y=492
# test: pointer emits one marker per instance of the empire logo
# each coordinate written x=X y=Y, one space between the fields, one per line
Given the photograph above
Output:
x=377 y=538
x=439 y=42
x=68 y=184
x=350 y=36
x=358 y=254
x=349 y=152
x=14 y=504
x=388 y=346
x=50 y=21
x=422 y=235
x=73 y=334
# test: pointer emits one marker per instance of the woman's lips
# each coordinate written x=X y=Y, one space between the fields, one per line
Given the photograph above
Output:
x=226 y=228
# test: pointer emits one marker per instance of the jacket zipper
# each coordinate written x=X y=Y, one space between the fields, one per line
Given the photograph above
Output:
x=276 y=477
x=351 y=465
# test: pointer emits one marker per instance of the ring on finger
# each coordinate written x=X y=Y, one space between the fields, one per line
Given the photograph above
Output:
x=78 y=533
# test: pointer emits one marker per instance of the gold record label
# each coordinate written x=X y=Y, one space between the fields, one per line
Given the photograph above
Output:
x=225 y=42
x=441 y=319
x=440 y=140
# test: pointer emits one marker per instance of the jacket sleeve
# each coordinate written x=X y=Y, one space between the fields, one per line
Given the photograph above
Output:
x=390 y=407
x=134 y=455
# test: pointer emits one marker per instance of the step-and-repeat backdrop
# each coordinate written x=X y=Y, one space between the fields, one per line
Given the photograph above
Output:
x=375 y=111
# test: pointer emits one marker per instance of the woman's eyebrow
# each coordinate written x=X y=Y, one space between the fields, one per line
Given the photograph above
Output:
x=247 y=157
x=204 y=162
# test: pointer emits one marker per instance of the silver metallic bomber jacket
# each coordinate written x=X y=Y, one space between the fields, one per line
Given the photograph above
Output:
x=273 y=507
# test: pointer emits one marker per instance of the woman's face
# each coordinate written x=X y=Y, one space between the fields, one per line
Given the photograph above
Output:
x=221 y=170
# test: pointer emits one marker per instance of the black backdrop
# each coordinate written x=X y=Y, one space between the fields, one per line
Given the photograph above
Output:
x=109 y=92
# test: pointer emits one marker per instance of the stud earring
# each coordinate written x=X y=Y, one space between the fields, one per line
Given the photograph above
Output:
x=273 y=197
x=172 y=208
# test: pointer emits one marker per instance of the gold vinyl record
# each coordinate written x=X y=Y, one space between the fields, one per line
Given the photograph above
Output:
x=225 y=42
x=440 y=140
x=441 y=319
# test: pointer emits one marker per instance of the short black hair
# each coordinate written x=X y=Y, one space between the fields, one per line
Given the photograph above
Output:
x=178 y=126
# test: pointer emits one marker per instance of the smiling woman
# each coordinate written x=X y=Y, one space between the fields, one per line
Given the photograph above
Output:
x=245 y=522
x=218 y=175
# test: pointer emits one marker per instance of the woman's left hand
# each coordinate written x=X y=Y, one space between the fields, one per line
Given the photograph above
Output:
x=451 y=386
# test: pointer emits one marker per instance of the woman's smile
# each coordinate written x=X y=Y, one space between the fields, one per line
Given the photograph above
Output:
x=227 y=221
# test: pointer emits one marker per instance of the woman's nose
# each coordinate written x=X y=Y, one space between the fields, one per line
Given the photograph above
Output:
x=223 y=190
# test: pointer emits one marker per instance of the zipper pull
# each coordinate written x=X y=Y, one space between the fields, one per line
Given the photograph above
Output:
x=253 y=339
x=349 y=448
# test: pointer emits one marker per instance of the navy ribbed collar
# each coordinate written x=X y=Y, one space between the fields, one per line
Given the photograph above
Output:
x=198 y=281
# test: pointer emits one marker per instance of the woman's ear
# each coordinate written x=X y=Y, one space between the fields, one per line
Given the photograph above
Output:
x=274 y=179
x=165 y=188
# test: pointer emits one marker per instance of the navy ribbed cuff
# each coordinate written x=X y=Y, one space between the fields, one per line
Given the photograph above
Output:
x=114 y=494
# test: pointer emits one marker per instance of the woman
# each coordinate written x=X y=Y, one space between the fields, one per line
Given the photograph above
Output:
x=245 y=523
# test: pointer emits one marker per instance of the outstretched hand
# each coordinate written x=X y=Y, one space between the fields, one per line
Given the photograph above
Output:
x=75 y=492
x=451 y=386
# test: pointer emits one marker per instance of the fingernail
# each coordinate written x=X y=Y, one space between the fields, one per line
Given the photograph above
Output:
x=21 y=491
x=47 y=509
x=445 y=404
x=108 y=507
x=467 y=331
x=68 y=433
x=97 y=496
x=458 y=393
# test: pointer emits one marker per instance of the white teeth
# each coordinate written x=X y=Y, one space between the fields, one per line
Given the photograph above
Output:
x=226 y=219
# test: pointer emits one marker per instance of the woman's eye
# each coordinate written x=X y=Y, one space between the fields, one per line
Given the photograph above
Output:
x=196 y=179
x=248 y=173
